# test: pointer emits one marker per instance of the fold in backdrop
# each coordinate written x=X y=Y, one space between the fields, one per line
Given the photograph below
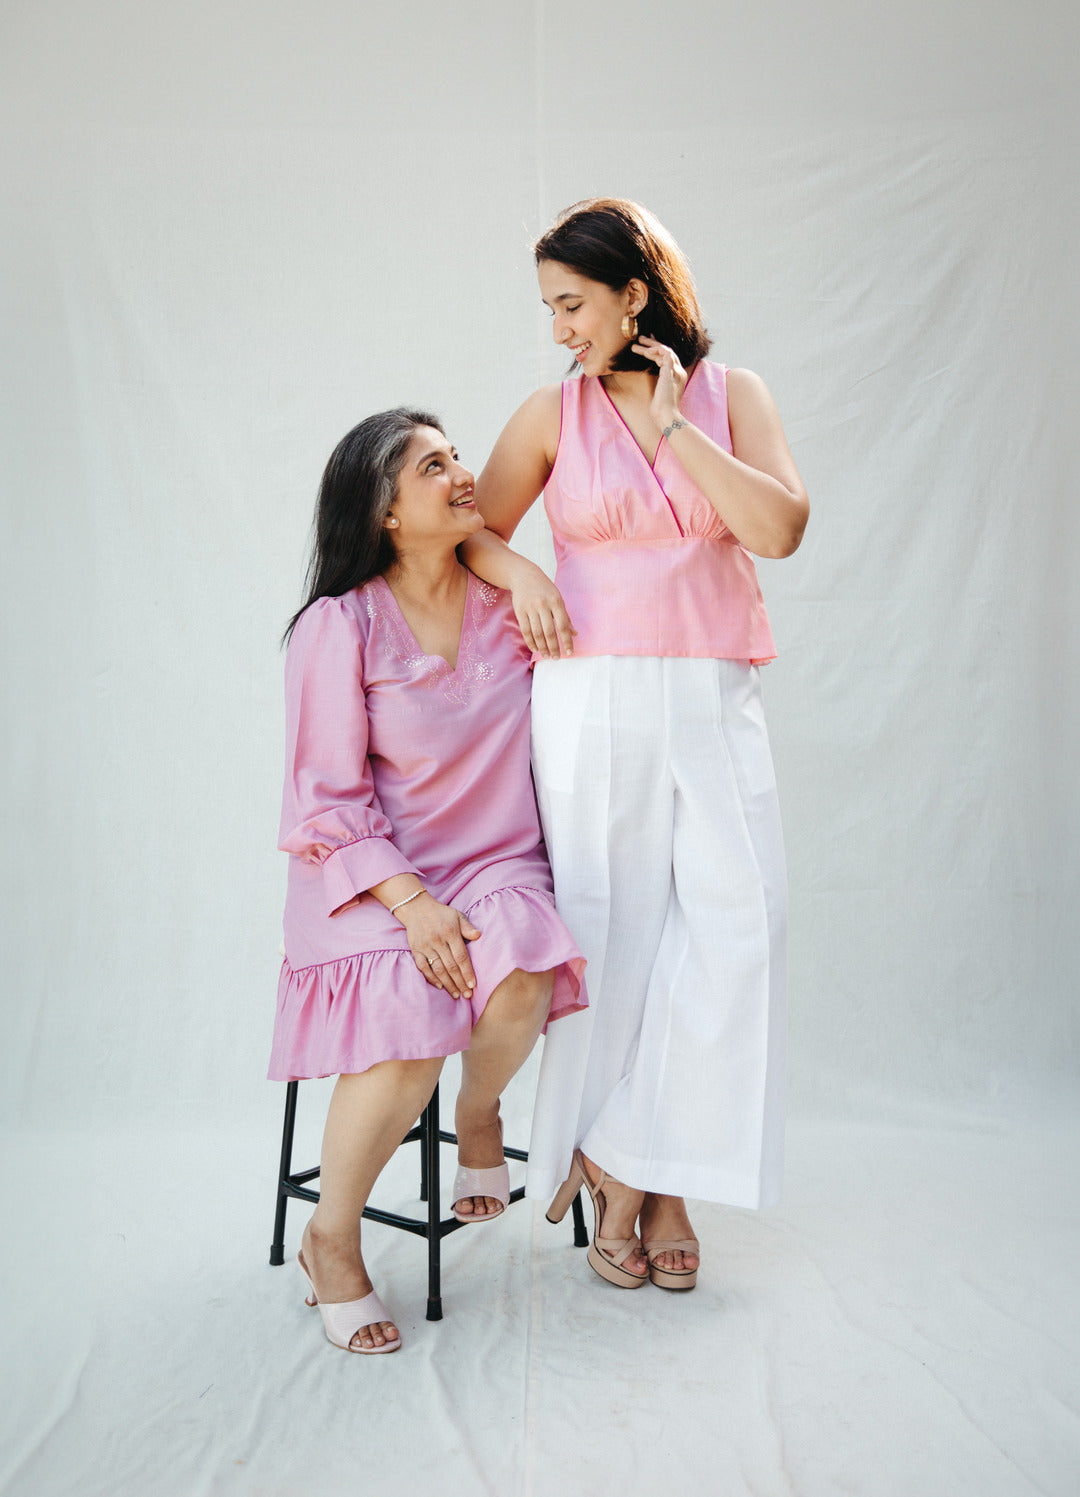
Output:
x=232 y=232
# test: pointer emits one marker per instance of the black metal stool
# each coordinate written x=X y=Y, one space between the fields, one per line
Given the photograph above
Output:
x=429 y=1135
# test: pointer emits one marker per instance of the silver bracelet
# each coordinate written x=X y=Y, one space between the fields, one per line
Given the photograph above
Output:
x=673 y=427
x=410 y=899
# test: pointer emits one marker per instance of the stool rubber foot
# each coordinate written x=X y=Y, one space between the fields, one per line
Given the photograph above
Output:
x=434 y=1307
x=277 y=1255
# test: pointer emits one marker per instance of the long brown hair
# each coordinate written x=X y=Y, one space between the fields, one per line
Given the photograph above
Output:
x=614 y=241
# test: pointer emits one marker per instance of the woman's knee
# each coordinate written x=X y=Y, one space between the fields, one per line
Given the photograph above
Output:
x=522 y=992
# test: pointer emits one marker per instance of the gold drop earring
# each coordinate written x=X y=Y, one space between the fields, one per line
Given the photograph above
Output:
x=629 y=327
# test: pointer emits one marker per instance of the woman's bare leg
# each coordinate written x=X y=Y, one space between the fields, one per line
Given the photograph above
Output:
x=370 y=1113
x=501 y=1043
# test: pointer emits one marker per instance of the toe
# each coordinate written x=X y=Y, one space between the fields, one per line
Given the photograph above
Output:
x=370 y=1337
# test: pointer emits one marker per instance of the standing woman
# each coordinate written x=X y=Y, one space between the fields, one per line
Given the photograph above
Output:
x=419 y=919
x=661 y=472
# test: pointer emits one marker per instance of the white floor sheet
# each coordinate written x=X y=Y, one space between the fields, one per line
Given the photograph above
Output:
x=904 y=1325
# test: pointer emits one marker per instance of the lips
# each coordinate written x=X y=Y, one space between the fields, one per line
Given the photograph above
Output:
x=581 y=350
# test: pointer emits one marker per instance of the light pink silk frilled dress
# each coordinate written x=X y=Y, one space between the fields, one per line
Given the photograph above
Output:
x=398 y=763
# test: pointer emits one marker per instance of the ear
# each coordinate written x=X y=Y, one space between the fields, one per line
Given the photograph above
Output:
x=637 y=294
x=390 y=523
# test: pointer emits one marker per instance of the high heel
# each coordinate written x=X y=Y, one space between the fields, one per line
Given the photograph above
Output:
x=672 y=1278
x=341 y=1321
x=605 y=1255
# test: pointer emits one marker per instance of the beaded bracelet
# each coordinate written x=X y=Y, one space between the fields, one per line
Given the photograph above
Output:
x=410 y=899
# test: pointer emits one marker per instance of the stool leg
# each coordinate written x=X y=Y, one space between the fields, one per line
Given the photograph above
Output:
x=425 y=1183
x=581 y=1237
x=277 y=1247
x=429 y=1143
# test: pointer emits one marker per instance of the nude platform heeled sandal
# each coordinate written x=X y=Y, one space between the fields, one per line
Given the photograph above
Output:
x=672 y=1278
x=605 y=1255
x=341 y=1321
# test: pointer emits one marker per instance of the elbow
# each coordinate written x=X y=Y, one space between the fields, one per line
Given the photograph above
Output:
x=788 y=537
x=785 y=545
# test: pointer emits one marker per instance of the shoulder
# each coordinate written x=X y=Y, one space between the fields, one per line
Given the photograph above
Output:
x=493 y=608
x=540 y=416
x=747 y=390
x=530 y=438
x=341 y=619
x=544 y=401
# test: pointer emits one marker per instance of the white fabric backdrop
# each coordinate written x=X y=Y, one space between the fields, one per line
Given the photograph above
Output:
x=234 y=229
x=231 y=242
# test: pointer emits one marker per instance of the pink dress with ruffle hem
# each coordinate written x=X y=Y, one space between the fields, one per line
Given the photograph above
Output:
x=398 y=763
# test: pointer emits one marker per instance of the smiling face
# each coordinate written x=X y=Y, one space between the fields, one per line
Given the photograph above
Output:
x=434 y=501
x=587 y=315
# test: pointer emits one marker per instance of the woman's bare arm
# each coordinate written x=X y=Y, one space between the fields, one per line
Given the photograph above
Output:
x=757 y=492
x=513 y=476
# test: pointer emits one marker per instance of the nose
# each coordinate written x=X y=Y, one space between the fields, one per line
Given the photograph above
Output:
x=463 y=478
x=561 y=331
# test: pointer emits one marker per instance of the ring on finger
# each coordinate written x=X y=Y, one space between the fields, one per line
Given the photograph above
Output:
x=431 y=960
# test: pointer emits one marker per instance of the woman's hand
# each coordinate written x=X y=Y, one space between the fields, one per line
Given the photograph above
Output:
x=541 y=613
x=664 y=407
x=437 y=934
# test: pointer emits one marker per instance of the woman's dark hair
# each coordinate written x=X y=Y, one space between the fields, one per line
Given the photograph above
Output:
x=350 y=543
x=614 y=241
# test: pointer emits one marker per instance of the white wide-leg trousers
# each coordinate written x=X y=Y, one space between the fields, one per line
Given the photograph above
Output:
x=658 y=800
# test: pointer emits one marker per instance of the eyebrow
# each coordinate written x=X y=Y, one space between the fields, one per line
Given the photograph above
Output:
x=563 y=296
x=435 y=452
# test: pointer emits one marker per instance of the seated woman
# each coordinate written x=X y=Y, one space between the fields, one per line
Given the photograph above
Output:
x=419 y=919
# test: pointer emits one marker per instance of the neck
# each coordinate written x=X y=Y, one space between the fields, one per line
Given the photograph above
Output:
x=426 y=573
x=632 y=384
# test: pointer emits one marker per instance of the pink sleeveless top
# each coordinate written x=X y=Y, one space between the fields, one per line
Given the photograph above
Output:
x=644 y=563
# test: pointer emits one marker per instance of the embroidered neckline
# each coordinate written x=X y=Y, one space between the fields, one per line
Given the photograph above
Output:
x=457 y=683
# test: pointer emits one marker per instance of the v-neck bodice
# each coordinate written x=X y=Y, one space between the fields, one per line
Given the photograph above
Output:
x=455 y=682
x=644 y=561
x=412 y=645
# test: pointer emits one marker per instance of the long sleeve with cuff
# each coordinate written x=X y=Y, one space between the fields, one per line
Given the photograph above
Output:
x=330 y=814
